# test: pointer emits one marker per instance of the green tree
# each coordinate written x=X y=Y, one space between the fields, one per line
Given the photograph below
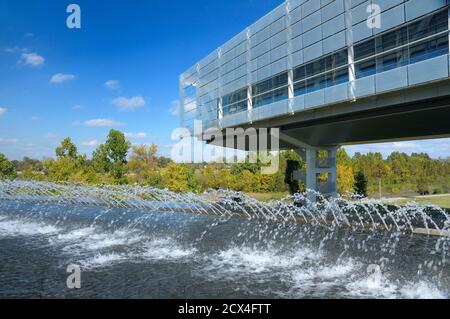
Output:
x=111 y=157
x=67 y=149
x=7 y=169
x=100 y=160
x=361 y=184
x=117 y=149
x=60 y=170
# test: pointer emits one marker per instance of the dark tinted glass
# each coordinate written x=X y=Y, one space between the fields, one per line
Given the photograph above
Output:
x=365 y=49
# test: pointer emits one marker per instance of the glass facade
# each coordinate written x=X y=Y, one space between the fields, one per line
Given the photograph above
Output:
x=235 y=102
x=305 y=51
x=418 y=41
x=271 y=90
x=322 y=73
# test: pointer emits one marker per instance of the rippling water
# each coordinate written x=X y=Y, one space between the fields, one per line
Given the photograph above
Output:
x=130 y=253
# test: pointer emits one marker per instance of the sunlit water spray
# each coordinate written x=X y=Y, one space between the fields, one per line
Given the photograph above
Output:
x=144 y=242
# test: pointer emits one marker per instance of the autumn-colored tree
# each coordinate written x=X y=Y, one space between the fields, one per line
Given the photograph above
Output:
x=345 y=173
x=7 y=170
x=178 y=178
x=143 y=165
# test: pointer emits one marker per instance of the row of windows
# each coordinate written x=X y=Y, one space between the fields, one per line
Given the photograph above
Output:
x=404 y=56
x=407 y=54
x=270 y=84
x=327 y=63
x=234 y=97
x=271 y=97
x=415 y=31
x=332 y=69
x=235 y=108
x=322 y=81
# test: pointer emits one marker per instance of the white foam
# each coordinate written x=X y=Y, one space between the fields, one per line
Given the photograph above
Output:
x=386 y=289
x=239 y=261
x=101 y=261
x=90 y=239
x=165 y=249
x=142 y=251
x=422 y=290
x=17 y=228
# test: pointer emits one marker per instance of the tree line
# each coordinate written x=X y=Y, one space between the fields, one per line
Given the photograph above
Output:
x=118 y=162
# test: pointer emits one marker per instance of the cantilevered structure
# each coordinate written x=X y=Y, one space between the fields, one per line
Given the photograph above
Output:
x=329 y=73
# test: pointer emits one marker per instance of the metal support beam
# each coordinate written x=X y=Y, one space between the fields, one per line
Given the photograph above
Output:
x=350 y=50
x=293 y=141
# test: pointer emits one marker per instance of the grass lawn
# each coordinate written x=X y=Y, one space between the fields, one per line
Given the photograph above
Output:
x=441 y=201
x=266 y=197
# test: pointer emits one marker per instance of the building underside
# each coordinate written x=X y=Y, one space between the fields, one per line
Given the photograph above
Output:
x=417 y=113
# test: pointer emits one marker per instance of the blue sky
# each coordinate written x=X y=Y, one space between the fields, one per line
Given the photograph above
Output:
x=119 y=71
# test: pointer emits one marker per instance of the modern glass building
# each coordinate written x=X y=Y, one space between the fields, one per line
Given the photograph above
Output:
x=309 y=55
x=312 y=53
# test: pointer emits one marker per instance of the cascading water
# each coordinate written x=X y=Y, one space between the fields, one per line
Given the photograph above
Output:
x=144 y=242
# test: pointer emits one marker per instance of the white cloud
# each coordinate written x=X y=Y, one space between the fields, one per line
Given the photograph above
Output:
x=404 y=145
x=136 y=135
x=61 y=77
x=8 y=141
x=32 y=59
x=2 y=111
x=92 y=143
x=129 y=104
x=102 y=123
x=112 y=84
x=77 y=107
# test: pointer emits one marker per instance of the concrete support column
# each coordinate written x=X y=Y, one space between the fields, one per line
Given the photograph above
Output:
x=311 y=169
x=315 y=166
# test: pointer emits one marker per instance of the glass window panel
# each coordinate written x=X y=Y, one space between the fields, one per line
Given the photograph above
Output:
x=315 y=67
x=337 y=77
x=280 y=94
x=428 y=26
x=365 y=68
x=392 y=40
x=365 y=49
x=336 y=60
x=280 y=80
x=429 y=49
x=263 y=99
x=235 y=97
x=316 y=83
x=392 y=60
x=299 y=73
x=300 y=88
